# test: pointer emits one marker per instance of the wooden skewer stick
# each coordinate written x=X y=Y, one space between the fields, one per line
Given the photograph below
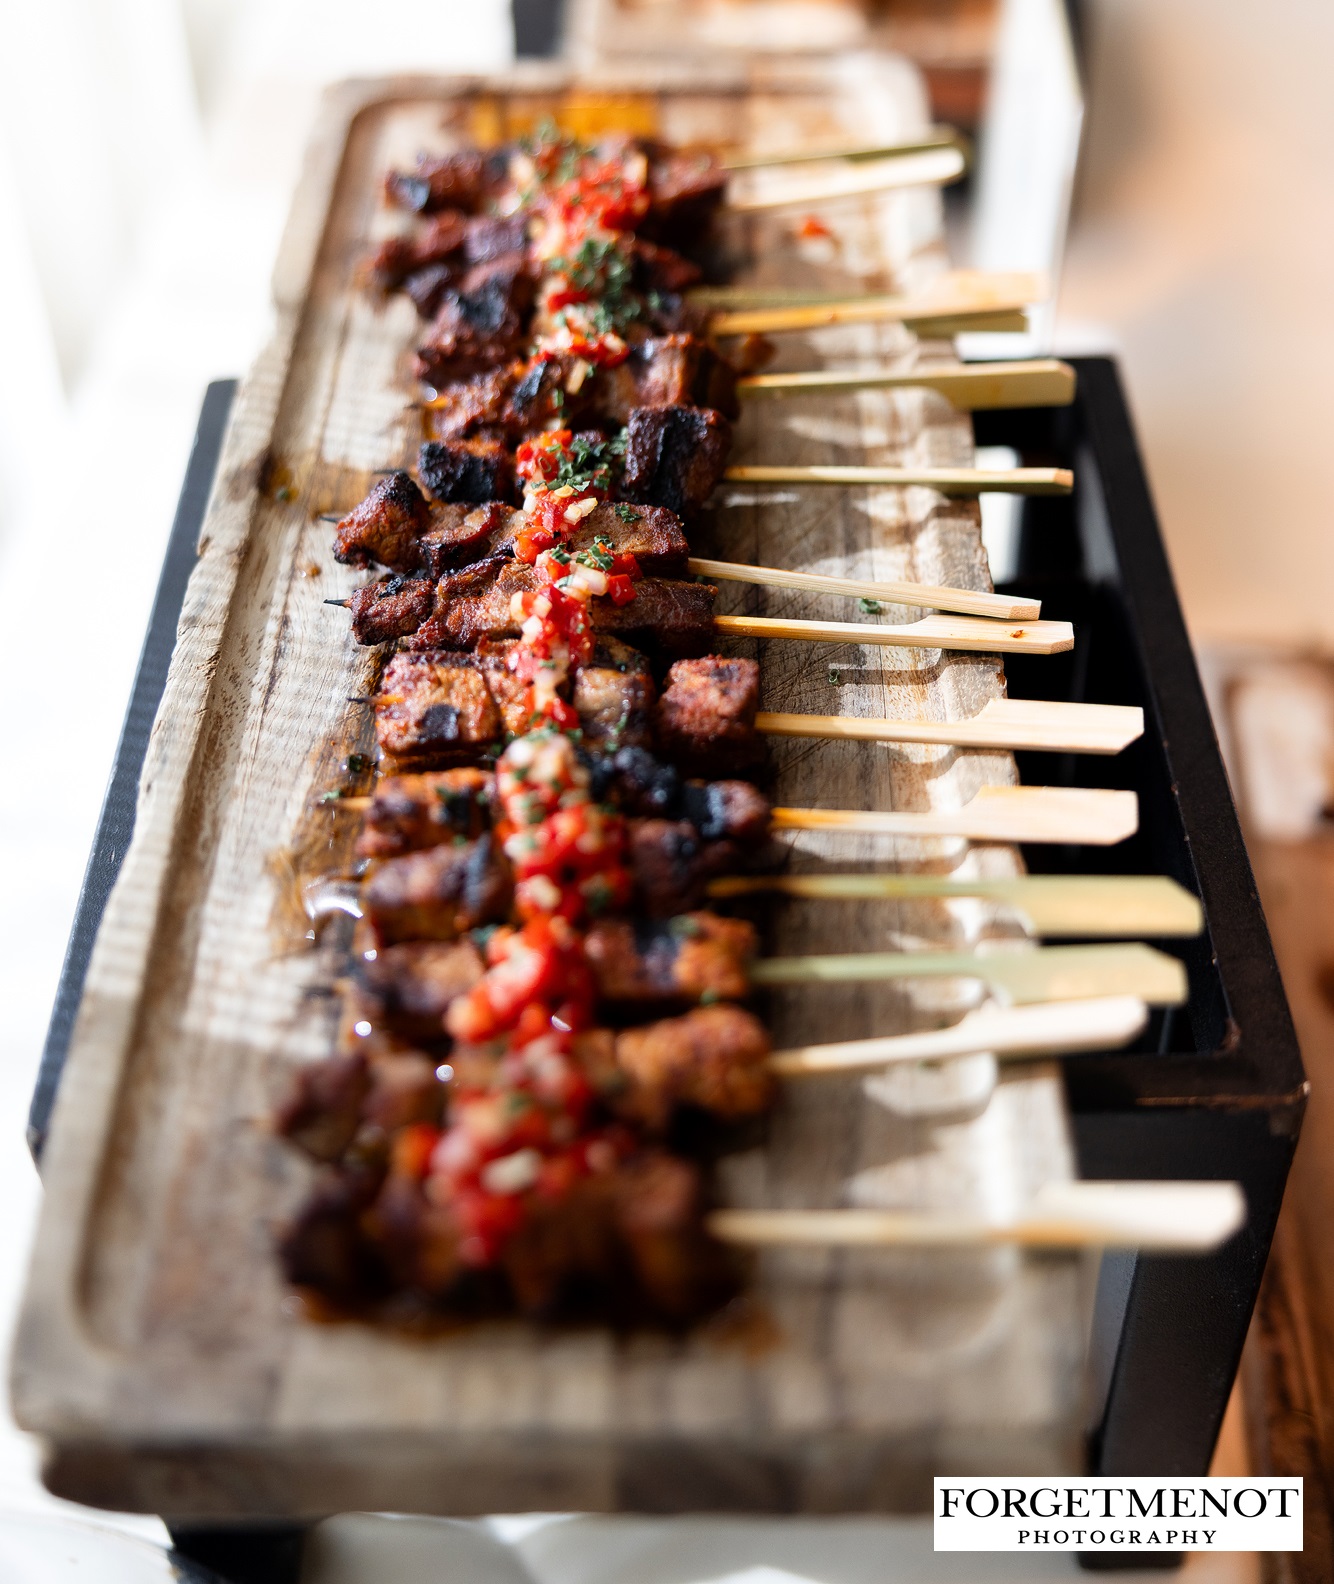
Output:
x=1062 y=815
x=969 y=634
x=1003 y=723
x=1022 y=975
x=1183 y=1217
x=1112 y=906
x=969 y=602
x=970 y=387
x=1013 y=321
x=1056 y=1028
x=949 y=481
x=937 y=137
x=962 y=295
x=1088 y=815
x=964 y=633
x=931 y=167
x=994 y=814
x=965 y=291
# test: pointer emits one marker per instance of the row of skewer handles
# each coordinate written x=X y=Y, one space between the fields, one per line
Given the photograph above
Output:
x=1049 y=1001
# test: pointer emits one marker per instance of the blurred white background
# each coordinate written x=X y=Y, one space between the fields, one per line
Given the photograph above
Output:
x=148 y=149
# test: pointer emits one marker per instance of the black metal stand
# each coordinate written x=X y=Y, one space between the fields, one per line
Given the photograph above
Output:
x=1217 y=1089
x=242 y=1554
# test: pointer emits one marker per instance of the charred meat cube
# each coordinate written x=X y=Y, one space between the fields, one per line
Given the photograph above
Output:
x=324 y=1248
x=385 y=527
x=493 y=236
x=706 y=715
x=461 y=535
x=565 y=1258
x=726 y=809
x=672 y=865
x=696 y=957
x=645 y=785
x=680 y=1270
x=615 y=707
x=400 y=257
x=382 y=611
x=417 y=1239
x=628 y=1244
x=451 y=181
x=410 y=986
x=660 y=269
x=514 y=400
x=715 y=1058
x=685 y=190
x=480 y=469
x=411 y=812
x=439 y=893
x=677 y=370
x=650 y=533
x=463 y=407
x=322 y=1110
x=675 y=456
x=404 y=1089
x=437 y=709
x=541 y=392
x=480 y=323
x=670 y=618
x=426 y=288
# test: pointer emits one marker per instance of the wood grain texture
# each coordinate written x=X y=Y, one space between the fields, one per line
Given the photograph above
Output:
x=158 y=1353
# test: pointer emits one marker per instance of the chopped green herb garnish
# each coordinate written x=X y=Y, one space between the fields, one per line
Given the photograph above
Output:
x=870 y=606
x=356 y=763
x=627 y=514
x=835 y=677
x=332 y=797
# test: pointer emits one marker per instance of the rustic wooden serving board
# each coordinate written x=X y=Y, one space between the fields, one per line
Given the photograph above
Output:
x=158 y=1353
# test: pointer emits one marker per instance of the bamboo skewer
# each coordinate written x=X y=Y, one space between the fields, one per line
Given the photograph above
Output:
x=968 y=634
x=937 y=137
x=1111 y=906
x=948 y=481
x=1003 y=723
x=1043 y=973
x=961 y=295
x=1053 y=1028
x=1088 y=815
x=994 y=814
x=935 y=166
x=968 y=602
x=970 y=387
x=1181 y=1217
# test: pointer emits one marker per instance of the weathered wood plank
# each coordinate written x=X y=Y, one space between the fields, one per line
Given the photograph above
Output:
x=157 y=1352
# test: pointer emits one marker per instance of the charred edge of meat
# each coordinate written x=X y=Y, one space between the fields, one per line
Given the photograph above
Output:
x=706 y=716
x=385 y=526
x=390 y=609
x=481 y=469
x=439 y=893
x=675 y=456
x=411 y=812
x=452 y=181
x=667 y=618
